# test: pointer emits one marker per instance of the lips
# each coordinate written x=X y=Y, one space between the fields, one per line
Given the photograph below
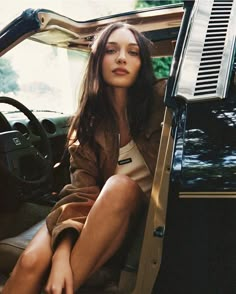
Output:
x=120 y=71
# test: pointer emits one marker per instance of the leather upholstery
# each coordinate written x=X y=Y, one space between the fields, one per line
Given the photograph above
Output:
x=11 y=248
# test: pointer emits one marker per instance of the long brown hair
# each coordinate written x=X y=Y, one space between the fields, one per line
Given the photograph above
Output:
x=94 y=103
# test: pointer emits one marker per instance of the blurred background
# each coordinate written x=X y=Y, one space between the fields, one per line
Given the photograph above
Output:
x=42 y=76
x=89 y=9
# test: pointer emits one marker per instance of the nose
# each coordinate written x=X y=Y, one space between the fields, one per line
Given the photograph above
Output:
x=121 y=58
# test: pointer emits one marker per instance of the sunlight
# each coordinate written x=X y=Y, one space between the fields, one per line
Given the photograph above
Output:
x=33 y=73
x=75 y=9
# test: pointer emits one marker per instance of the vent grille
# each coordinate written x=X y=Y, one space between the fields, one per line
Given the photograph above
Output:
x=213 y=49
x=207 y=52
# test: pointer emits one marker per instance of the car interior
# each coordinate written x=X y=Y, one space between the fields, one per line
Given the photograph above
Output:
x=187 y=243
x=34 y=160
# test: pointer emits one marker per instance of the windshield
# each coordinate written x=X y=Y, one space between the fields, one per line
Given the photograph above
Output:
x=42 y=77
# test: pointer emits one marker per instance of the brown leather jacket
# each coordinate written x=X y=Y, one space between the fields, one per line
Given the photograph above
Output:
x=89 y=172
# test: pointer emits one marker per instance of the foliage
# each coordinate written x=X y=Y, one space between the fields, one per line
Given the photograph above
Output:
x=161 y=65
x=8 y=77
x=150 y=3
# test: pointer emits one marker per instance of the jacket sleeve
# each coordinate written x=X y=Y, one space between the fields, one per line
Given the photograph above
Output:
x=77 y=198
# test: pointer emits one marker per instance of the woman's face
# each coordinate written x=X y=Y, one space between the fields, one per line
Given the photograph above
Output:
x=121 y=62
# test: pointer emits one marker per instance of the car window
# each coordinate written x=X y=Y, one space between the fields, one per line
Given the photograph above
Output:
x=47 y=78
x=42 y=77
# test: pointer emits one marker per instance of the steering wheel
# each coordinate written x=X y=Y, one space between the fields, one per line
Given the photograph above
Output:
x=14 y=139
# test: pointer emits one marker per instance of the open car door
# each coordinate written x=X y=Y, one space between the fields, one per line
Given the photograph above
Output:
x=189 y=243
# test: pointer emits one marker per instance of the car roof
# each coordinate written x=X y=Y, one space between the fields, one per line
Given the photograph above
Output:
x=160 y=24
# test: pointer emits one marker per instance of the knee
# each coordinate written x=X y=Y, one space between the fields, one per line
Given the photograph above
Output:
x=29 y=261
x=123 y=192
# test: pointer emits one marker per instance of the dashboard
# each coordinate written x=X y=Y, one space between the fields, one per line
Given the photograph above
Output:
x=55 y=124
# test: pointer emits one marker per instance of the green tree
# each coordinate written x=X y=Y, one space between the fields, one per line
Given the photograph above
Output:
x=8 y=77
x=161 y=65
x=150 y=3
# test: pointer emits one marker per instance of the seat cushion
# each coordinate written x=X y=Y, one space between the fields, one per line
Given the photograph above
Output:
x=11 y=248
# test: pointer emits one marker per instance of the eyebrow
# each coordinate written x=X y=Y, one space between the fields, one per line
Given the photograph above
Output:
x=115 y=43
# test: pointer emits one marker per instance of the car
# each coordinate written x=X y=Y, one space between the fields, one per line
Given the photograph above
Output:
x=187 y=243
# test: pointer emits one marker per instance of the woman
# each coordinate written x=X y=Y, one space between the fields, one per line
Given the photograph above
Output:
x=113 y=143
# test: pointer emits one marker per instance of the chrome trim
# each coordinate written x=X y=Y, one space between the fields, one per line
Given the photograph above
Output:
x=208 y=52
x=207 y=194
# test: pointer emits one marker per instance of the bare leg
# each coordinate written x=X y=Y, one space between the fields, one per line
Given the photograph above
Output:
x=106 y=226
x=27 y=276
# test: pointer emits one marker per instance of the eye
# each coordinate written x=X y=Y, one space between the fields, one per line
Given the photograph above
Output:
x=134 y=53
x=110 y=50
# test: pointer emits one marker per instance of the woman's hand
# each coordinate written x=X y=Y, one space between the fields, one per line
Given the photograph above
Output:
x=61 y=278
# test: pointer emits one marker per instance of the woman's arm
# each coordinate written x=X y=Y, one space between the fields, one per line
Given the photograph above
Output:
x=60 y=278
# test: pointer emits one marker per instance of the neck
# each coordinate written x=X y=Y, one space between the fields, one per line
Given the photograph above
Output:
x=118 y=97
